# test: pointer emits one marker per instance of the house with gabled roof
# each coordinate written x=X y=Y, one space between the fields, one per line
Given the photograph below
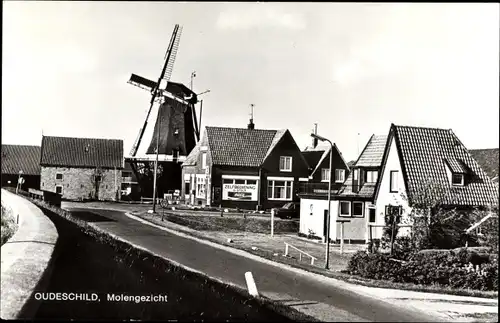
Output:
x=246 y=168
x=21 y=161
x=401 y=172
x=82 y=168
x=314 y=204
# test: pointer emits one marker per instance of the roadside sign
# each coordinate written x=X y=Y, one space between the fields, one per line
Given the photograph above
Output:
x=21 y=180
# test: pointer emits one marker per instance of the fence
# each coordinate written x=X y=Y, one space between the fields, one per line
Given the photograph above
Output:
x=46 y=196
x=287 y=246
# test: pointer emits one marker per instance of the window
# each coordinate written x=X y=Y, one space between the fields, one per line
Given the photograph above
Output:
x=371 y=176
x=239 y=181
x=325 y=175
x=59 y=176
x=200 y=187
x=345 y=208
x=203 y=160
x=126 y=174
x=357 y=209
x=457 y=179
x=186 y=188
x=393 y=186
x=371 y=215
x=285 y=164
x=279 y=190
x=355 y=174
x=339 y=175
x=59 y=189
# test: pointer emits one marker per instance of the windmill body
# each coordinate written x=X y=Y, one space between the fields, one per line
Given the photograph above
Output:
x=169 y=132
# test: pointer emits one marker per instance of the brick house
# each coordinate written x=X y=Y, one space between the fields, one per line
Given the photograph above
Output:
x=243 y=167
x=82 y=168
x=21 y=158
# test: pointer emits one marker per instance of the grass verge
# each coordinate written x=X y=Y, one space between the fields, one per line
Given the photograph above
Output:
x=270 y=255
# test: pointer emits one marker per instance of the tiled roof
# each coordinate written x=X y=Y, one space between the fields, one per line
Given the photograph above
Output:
x=488 y=159
x=423 y=151
x=239 y=146
x=372 y=155
x=21 y=157
x=277 y=137
x=455 y=165
x=192 y=157
x=351 y=163
x=82 y=152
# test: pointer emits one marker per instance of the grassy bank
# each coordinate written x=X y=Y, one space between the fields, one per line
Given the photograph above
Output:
x=226 y=223
x=89 y=261
x=9 y=225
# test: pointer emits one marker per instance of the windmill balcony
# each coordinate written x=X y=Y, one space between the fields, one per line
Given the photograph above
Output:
x=316 y=189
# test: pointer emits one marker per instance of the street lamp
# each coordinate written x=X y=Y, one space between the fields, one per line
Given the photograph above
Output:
x=323 y=139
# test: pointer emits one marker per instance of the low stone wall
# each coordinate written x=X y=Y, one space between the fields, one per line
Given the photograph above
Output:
x=25 y=257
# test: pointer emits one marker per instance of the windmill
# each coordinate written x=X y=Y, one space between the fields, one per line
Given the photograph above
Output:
x=176 y=129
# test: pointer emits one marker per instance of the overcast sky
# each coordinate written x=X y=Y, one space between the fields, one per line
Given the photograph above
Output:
x=352 y=68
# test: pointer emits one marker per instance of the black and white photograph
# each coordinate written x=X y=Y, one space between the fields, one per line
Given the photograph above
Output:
x=250 y=161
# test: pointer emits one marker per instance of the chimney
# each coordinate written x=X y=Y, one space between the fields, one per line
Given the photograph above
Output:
x=315 y=140
x=251 y=126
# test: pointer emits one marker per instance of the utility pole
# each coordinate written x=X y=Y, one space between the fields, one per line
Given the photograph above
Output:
x=156 y=164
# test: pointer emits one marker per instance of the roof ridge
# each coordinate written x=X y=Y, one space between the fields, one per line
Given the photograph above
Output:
x=421 y=127
x=83 y=138
x=243 y=128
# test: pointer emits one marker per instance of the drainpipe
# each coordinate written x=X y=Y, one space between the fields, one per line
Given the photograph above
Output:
x=116 y=192
x=259 y=189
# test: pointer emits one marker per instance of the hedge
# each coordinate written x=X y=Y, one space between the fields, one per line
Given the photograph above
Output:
x=453 y=268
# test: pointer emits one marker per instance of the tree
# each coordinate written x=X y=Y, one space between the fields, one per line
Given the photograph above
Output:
x=437 y=223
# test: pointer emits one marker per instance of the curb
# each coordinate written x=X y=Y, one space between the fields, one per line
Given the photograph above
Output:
x=25 y=258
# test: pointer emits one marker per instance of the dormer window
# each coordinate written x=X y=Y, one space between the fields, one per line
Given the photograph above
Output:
x=457 y=179
x=456 y=171
x=371 y=176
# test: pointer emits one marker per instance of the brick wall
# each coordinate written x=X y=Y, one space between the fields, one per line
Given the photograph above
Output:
x=78 y=183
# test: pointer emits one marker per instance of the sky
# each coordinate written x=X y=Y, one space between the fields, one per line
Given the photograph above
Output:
x=352 y=68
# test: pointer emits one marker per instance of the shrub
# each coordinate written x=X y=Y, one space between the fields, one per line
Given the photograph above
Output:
x=460 y=268
x=403 y=248
x=8 y=224
x=374 y=266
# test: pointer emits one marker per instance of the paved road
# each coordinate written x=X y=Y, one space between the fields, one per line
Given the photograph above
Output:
x=337 y=303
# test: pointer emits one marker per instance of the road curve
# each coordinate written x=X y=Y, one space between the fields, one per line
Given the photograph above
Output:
x=338 y=304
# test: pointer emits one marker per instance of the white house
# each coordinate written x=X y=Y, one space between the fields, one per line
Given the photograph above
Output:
x=395 y=172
